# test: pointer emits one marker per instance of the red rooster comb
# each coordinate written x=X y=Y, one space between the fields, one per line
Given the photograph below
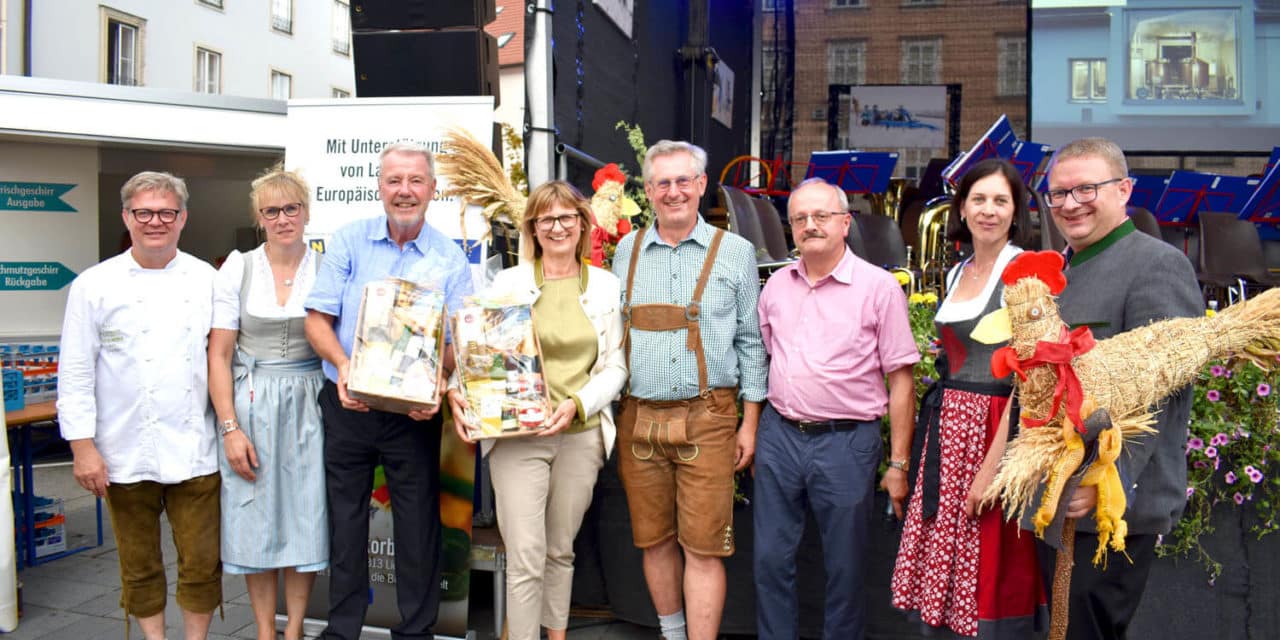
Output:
x=1045 y=266
x=608 y=173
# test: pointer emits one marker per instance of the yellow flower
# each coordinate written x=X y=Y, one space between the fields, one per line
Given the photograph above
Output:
x=903 y=279
x=931 y=298
x=916 y=298
x=1209 y=313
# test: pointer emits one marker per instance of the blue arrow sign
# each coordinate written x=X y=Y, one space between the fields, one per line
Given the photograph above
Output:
x=34 y=196
x=34 y=276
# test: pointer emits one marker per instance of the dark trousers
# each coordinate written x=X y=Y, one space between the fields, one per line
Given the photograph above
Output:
x=1103 y=601
x=409 y=451
x=833 y=474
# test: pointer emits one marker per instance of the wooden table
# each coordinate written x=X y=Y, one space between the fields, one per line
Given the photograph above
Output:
x=22 y=422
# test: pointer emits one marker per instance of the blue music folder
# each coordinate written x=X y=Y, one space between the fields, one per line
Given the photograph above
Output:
x=997 y=142
x=1263 y=207
x=1028 y=156
x=854 y=171
x=1147 y=191
x=1189 y=193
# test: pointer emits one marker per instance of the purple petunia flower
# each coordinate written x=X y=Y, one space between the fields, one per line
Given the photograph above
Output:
x=1238 y=498
x=1200 y=464
x=1264 y=390
x=1230 y=477
x=1217 y=462
x=926 y=380
x=1255 y=476
x=1195 y=443
x=1219 y=439
x=1191 y=491
x=1212 y=395
x=1218 y=370
x=1211 y=451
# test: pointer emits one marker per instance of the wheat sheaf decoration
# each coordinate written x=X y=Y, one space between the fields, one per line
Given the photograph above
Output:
x=1082 y=398
x=477 y=177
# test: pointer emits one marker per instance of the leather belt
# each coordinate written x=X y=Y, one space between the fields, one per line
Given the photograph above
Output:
x=821 y=426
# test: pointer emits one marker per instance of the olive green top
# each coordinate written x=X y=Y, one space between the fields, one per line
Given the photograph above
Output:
x=568 y=342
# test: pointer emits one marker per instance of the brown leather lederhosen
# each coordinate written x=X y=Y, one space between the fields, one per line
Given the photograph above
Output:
x=670 y=317
x=676 y=456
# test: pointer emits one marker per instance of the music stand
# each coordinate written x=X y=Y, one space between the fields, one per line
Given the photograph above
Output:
x=1147 y=191
x=854 y=171
x=1027 y=157
x=997 y=142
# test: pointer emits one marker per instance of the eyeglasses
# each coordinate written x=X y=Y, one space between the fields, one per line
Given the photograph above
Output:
x=819 y=218
x=291 y=210
x=1082 y=193
x=144 y=216
x=681 y=183
x=547 y=223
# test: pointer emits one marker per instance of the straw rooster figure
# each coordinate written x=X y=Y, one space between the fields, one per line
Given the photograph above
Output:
x=1076 y=391
x=612 y=208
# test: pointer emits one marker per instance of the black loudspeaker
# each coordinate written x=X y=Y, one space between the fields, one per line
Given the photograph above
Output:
x=420 y=14
x=453 y=62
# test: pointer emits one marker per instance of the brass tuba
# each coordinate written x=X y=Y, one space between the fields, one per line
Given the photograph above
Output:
x=932 y=257
x=889 y=203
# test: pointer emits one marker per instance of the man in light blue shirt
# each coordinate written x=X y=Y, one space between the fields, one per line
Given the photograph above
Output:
x=358 y=438
x=690 y=294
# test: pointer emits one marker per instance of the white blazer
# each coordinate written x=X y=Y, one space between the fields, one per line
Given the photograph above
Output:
x=602 y=304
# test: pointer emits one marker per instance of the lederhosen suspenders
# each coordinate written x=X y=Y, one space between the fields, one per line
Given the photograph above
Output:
x=670 y=317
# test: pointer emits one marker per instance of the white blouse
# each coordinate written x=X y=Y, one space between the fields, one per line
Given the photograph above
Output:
x=953 y=311
x=262 y=294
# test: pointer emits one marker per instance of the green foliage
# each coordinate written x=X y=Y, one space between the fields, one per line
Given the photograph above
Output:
x=635 y=138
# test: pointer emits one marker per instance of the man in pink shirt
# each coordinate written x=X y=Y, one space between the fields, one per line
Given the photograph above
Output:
x=835 y=327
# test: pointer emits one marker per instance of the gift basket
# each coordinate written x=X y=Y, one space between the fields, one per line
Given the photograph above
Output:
x=500 y=368
x=396 y=359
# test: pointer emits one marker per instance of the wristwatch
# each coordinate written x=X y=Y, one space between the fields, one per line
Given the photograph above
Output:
x=901 y=465
x=230 y=425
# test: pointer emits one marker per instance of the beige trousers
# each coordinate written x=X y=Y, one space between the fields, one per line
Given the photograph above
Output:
x=543 y=487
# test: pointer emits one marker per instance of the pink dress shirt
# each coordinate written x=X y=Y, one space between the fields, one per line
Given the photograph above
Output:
x=831 y=344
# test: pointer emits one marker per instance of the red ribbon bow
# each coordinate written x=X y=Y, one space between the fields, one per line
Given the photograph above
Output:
x=1059 y=354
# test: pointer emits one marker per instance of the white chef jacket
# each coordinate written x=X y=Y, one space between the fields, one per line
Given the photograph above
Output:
x=133 y=368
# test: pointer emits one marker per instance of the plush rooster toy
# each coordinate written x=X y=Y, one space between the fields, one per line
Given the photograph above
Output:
x=611 y=208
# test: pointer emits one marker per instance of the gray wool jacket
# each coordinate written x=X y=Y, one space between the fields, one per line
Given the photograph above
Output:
x=1135 y=280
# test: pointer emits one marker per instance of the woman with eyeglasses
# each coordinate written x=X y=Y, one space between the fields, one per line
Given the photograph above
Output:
x=543 y=483
x=264 y=380
x=960 y=564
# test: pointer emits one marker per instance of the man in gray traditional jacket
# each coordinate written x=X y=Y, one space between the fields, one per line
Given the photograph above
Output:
x=1119 y=279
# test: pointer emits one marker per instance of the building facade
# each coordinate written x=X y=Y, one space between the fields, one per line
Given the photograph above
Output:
x=276 y=49
x=979 y=45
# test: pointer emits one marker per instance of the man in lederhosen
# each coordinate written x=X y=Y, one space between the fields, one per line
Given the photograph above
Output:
x=693 y=344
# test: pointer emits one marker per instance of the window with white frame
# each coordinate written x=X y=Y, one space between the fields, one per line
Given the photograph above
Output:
x=846 y=62
x=281 y=85
x=913 y=161
x=122 y=57
x=1088 y=79
x=848 y=4
x=282 y=15
x=341 y=27
x=921 y=60
x=208 y=71
x=1012 y=64
x=769 y=5
x=339 y=93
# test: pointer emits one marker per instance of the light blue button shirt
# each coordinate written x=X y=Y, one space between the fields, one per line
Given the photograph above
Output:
x=363 y=251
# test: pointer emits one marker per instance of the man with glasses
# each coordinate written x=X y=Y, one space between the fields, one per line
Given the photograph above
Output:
x=693 y=349
x=1118 y=279
x=836 y=329
x=357 y=438
x=133 y=402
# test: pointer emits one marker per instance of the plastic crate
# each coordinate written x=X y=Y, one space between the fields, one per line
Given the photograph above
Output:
x=51 y=526
x=14 y=390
